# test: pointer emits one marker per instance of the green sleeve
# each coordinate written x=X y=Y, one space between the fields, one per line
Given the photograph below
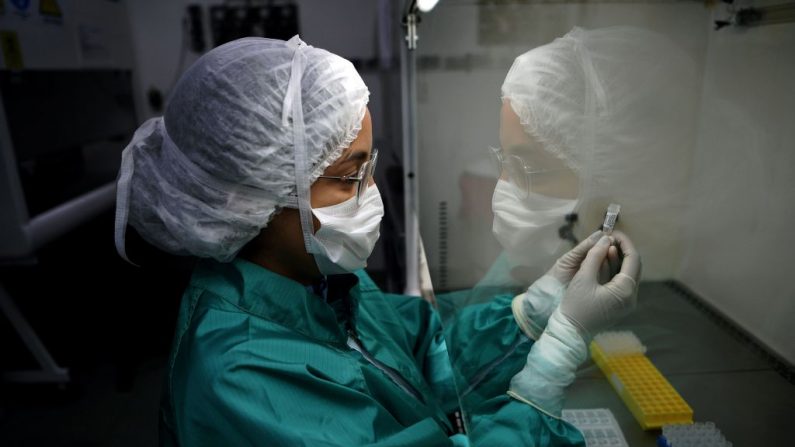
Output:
x=486 y=348
x=489 y=349
x=502 y=420
x=474 y=356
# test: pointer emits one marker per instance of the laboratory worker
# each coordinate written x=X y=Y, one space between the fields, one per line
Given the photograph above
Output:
x=262 y=168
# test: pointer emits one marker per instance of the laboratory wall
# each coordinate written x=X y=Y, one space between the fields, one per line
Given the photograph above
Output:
x=68 y=34
x=465 y=50
x=162 y=45
x=740 y=221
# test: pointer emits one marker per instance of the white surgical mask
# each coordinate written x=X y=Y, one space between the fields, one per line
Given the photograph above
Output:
x=347 y=233
x=527 y=228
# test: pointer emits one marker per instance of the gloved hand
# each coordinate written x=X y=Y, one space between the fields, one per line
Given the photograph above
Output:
x=532 y=308
x=587 y=307
x=591 y=305
x=569 y=264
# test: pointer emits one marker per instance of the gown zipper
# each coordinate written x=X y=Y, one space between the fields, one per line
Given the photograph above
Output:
x=356 y=344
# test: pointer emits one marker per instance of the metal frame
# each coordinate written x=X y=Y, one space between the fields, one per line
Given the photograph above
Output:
x=18 y=243
x=50 y=371
x=408 y=66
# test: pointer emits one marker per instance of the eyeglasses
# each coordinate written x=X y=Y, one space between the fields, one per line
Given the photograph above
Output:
x=363 y=176
x=518 y=171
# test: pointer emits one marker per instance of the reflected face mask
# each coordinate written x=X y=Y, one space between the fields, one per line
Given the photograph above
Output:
x=527 y=228
x=347 y=233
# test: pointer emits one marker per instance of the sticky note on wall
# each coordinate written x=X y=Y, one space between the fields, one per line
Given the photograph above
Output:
x=12 y=50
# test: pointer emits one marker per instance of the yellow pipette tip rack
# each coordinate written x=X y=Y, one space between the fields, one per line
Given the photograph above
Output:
x=647 y=394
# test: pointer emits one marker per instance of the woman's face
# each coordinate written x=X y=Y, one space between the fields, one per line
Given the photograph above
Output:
x=557 y=181
x=280 y=245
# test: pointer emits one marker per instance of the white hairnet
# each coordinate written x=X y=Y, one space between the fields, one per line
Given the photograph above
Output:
x=618 y=106
x=208 y=176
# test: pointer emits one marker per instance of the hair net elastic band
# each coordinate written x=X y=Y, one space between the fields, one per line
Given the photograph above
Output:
x=293 y=104
x=592 y=78
x=123 y=201
x=124 y=185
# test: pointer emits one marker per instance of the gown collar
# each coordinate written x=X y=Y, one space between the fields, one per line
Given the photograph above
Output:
x=261 y=292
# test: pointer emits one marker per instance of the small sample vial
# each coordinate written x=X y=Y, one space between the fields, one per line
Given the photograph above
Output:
x=610 y=218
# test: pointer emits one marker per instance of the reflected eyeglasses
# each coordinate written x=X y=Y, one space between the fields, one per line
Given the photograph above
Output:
x=519 y=172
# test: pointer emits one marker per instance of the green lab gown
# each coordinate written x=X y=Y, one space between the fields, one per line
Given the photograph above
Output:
x=259 y=359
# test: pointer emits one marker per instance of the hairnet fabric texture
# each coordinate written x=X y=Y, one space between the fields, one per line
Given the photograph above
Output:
x=600 y=92
x=618 y=106
x=209 y=175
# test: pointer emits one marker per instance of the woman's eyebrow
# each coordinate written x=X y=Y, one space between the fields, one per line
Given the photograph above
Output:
x=358 y=155
x=355 y=156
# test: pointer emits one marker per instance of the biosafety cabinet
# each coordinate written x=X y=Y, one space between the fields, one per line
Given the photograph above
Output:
x=711 y=215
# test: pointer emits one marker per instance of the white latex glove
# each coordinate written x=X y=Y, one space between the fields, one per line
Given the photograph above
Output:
x=569 y=264
x=592 y=305
x=586 y=307
x=532 y=308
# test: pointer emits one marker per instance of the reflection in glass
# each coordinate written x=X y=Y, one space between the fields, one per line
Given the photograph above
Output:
x=591 y=118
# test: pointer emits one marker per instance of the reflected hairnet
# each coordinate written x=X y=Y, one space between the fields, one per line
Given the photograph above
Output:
x=618 y=106
x=208 y=176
